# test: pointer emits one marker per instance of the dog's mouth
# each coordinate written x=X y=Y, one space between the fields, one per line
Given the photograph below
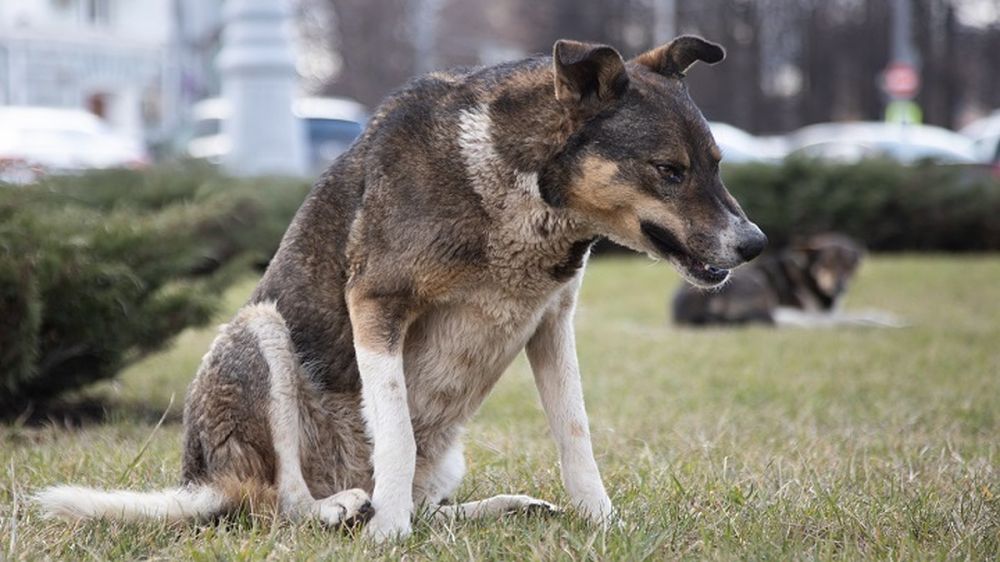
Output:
x=694 y=270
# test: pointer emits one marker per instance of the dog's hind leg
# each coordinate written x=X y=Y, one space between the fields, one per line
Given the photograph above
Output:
x=438 y=483
x=243 y=433
x=285 y=411
x=445 y=479
x=491 y=507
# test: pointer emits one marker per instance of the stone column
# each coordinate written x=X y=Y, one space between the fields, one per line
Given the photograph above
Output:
x=259 y=81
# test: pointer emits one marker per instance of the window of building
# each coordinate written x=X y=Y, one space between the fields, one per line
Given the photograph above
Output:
x=97 y=12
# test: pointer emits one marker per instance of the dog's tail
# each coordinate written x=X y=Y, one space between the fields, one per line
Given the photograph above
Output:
x=193 y=502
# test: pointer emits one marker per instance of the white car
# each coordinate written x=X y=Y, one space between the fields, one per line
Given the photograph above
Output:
x=35 y=141
x=739 y=146
x=985 y=136
x=851 y=142
x=331 y=124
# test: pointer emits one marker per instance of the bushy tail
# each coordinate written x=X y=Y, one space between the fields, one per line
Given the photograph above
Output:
x=193 y=502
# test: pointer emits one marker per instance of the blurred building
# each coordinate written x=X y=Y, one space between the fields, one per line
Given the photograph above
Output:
x=136 y=63
x=196 y=41
x=104 y=55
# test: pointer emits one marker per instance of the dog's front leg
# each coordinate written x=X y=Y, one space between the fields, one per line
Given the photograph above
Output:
x=552 y=353
x=378 y=329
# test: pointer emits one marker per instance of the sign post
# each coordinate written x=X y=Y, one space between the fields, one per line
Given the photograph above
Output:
x=259 y=82
x=901 y=82
x=901 y=79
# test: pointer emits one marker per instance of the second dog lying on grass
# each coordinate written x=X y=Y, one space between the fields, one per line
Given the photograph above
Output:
x=800 y=286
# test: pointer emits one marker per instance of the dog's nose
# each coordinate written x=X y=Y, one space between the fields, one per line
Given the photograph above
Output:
x=753 y=244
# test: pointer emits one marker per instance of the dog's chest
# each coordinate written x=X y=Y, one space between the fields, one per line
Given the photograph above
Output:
x=454 y=354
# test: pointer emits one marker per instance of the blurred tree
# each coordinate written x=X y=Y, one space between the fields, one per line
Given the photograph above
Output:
x=375 y=48
x=791 y=62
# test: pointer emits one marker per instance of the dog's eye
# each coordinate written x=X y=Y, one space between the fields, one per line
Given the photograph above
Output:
x=672 y=173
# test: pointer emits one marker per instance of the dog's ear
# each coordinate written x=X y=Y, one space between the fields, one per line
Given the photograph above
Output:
x=674 y=58
x=588 y=75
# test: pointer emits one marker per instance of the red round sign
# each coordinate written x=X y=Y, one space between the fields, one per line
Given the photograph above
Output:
x=901 y=80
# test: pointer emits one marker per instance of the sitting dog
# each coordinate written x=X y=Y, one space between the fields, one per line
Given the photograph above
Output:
x=799 y=286
x=452 y=235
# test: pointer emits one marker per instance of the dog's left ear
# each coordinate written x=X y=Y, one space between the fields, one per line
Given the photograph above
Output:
x=674 y=58
x=587 y=74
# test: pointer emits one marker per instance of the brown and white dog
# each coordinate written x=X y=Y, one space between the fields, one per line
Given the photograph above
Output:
x=802 y=286
x=451 y=236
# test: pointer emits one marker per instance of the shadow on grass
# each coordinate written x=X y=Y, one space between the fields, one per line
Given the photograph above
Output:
x=82 y=411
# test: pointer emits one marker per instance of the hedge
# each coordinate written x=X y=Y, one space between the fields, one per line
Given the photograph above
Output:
x=890 y=207
x=99 y=270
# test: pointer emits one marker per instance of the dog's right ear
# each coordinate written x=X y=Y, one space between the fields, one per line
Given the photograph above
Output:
x=674 y=58
x=588 y=75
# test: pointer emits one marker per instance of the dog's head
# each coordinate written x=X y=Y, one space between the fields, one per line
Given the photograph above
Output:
x=641 y=162
x=830 y=260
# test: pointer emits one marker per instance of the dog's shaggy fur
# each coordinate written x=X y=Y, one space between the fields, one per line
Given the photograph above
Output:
x=451 y=236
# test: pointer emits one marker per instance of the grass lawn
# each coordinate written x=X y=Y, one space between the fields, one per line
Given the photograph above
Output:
x=721 y=444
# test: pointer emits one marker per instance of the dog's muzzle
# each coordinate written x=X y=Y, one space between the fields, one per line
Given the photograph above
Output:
x=696 y=271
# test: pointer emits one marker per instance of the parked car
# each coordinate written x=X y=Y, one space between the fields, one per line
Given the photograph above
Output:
x=850 y=142
x=331 y=125
x=739 y=146
x=35 y=141
x=985 y=136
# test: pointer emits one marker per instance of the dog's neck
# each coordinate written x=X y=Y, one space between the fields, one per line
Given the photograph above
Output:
x=508 y=141
x=505 y=146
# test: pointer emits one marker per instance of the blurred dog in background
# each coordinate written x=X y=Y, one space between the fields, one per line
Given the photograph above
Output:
x=801 y=285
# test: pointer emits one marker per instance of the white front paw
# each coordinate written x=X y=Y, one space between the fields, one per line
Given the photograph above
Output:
x=385 y=526
x=599 y=511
